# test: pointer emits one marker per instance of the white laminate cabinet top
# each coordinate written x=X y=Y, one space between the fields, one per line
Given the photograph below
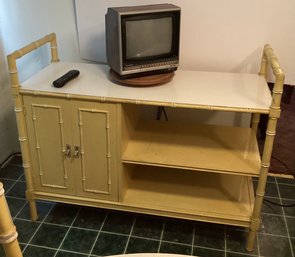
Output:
x=211 y=89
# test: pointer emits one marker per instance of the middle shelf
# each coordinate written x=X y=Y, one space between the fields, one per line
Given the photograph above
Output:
x=212 y=148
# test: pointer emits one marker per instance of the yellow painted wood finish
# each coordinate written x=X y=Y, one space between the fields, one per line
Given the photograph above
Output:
x=21 y=124
x=95 y=142
x=73 y=153
x=268 y=57
x=73 y=147
x=219 y=149
x=49 y=124
x=205 y=194
x=8 y=234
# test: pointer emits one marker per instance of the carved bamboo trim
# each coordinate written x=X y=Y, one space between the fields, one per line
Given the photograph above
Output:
x=255 y=122
x=108 y=155
x=39 y=150
x=268 y=58
x=19 y=110
x=8 y=234
x=9 y=237
x=143 y=102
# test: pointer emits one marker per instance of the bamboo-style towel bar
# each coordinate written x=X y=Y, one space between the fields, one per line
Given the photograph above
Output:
x=268 y=59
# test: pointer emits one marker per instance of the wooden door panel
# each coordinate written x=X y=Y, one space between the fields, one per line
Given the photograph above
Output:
x=95 y=136
x=48 y=133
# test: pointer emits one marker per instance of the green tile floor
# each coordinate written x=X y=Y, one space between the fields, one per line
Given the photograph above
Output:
x=75 y=231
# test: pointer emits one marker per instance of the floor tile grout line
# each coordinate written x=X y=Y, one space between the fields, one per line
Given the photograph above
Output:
x=225 y=242
x=121 y=234
x=9 y=179
x=68 y=251
x=24 y=205
x=258 y=246
x=277 y=198
x=193 y=239
x=242 y=254
x=285 y=183
x=280 y=183
x=177 y=243
x=37 y=229
x=15 y=197
x=131 y=230
x=209 y=248
x=270 y=234
x=42 y=246
x=277 y=215
x=141 y=237
x=161 y=237
x=17 y=180
x=101 y=226
x=55 y=249
x=286 y=224
x=203 y=247
x=67 y=232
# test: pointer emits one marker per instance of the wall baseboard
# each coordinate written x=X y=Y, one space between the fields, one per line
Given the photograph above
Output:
x=4 y=158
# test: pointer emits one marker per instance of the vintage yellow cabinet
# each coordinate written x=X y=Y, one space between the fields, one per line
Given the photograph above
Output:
x=72 y=146
x=88 y=143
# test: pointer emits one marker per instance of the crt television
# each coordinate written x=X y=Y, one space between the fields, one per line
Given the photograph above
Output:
x=142 y=40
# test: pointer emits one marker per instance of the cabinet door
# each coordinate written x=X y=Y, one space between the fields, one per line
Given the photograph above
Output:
x=48 y=126
x=95 y=142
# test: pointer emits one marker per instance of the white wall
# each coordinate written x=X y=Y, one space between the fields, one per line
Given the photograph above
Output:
x=223 y=35
x=8 y=133
x=22 y=22
x=219 y=35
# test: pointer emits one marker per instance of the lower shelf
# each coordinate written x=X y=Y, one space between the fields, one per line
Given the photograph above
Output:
x=206 y=196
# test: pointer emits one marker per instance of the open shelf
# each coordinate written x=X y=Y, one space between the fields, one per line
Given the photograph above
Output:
x=198 y=195
x=221 y=149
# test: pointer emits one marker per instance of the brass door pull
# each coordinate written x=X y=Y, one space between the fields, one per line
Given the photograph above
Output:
x=68 y=151
x=76 y=151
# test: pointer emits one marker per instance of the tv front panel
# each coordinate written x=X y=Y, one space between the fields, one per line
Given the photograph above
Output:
x=143 y=39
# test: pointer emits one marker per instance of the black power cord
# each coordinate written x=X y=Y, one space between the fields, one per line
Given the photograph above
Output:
x=278 y=204
x=293 y=174
x=284 y=165
x=160 y=110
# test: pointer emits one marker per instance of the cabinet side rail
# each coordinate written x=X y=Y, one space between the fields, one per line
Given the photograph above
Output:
x=19 y=109
x=268 y=59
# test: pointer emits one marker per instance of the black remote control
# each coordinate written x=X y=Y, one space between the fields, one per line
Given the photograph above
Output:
x=60 y=82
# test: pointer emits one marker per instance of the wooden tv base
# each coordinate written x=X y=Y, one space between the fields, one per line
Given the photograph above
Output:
x=143 y=81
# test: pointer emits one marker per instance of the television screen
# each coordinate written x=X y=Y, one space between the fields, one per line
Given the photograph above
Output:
x=150 y=37
x=143 y=40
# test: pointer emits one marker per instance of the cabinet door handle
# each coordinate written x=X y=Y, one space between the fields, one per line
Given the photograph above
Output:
x=76 y=151
x=68 y=151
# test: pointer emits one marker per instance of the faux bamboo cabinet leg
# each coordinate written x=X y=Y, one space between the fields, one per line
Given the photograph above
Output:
x=8 y=234
x=19 y=110
x=274 y=114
